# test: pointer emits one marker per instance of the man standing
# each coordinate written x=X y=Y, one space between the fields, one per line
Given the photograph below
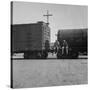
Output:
x=65 y=47
x=56 y=45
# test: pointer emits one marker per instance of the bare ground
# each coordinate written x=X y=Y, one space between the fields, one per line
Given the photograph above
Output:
x=39 y=73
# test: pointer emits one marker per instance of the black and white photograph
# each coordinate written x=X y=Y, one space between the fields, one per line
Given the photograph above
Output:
x=49 y=44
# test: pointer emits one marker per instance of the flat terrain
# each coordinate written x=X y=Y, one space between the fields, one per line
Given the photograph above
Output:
x=49 y=72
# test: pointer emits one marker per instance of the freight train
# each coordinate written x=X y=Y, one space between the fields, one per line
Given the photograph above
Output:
x=31 y=39
x=76 y=40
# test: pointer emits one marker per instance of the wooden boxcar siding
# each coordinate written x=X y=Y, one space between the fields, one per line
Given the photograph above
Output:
x=26 y=37
x=29 y=36
x=35 y=37
x=18 y=37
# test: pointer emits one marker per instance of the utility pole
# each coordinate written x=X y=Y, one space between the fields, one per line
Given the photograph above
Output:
x=47 y=15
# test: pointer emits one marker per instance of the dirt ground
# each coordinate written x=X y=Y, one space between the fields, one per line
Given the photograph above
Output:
x=42 y=73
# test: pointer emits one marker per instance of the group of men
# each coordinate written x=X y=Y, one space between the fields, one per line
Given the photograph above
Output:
x=63 y=48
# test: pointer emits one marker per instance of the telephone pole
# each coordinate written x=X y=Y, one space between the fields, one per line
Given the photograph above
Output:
x=47 y=15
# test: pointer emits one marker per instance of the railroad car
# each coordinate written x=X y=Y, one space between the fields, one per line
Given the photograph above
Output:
x=77 y=42
x=31 y=39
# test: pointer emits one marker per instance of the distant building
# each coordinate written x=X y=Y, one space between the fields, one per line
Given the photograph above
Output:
x=30 y=36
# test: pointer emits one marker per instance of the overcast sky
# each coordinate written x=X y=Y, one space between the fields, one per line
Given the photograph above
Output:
x=64 y=16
